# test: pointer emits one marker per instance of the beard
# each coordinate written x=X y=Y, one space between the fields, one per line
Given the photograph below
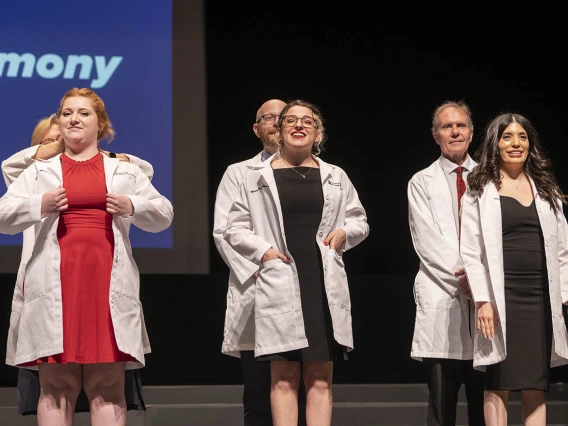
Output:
x=269 y=140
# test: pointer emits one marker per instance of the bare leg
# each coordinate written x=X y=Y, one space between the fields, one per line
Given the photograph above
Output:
x=104 y=386
x=60 y=385
x=533 y=408
x=319 y=399
x=495 y=407
x=285 y=380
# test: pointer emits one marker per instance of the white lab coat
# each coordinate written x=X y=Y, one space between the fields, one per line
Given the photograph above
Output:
x=255 y=224
x=238 y=333
x=12 y=167
x=443 y=316
x=36 y=325
x=482 y=254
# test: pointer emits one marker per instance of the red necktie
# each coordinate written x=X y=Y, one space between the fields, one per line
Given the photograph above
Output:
x=461 y=190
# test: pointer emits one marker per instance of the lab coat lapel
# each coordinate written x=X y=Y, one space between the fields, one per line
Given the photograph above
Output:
x=55 y=168
x=267 y=178
x=542 y=207
x=491 y=229
x=442 y=202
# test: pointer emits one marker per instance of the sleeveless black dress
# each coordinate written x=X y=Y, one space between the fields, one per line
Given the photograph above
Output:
x=301 y=201
x=527 y=303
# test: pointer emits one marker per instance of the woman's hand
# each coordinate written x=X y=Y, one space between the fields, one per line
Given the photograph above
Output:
x=487 y=319
x=335 y=240
x=272 y=254
x=119 y=204
x=45 y=151
x=122 y=157
x=54 y=201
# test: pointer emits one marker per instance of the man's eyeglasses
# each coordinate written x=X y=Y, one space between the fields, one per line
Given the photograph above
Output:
x=50 y=140
x=307 y=122
x=268 y=118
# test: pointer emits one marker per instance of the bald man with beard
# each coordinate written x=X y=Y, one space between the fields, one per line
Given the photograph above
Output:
x=238 y=339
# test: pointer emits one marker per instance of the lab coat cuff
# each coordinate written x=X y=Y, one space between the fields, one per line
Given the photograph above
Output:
x=263 y=247
x=35 y=207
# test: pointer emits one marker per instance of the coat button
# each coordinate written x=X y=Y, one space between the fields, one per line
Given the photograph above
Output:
x=321 y=234
x=327 y=197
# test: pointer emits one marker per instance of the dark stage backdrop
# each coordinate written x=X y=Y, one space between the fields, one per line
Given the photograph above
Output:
x=377 y=93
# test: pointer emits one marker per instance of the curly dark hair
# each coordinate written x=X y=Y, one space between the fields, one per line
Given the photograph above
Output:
x=537 y=166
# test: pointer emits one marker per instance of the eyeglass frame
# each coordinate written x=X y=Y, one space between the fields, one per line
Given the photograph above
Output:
x=302 y=120
x=51 y=140
x=275 y=119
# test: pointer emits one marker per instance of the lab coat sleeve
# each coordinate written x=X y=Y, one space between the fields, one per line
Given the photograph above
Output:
x=472 y=249
x=152 y=211
x=13 y=166
x=432 y=248
x=356 y=227
x=20 y=206
x=239 y=232
x=563 y=253
x=226 y=192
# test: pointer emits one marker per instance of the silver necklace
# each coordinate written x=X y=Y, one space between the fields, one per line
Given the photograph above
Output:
x=293 y=168
x=520 y=181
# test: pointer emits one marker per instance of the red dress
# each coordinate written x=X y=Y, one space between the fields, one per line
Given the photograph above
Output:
x=86 y=241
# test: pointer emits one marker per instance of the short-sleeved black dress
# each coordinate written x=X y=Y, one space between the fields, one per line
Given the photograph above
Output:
x=301 y=201
x=527 y=303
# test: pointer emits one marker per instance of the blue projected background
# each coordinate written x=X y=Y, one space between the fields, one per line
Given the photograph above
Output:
x=122 y=50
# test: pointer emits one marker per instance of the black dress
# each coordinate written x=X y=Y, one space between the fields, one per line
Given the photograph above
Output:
x=301 y=201
x=527 y=303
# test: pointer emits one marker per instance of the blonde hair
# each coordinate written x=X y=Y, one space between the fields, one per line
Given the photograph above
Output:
x=42 y=127
x=106 y=131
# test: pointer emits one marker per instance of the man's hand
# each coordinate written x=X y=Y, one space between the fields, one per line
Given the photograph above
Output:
x=463 y=283
x=53 y=201
x=119 y=204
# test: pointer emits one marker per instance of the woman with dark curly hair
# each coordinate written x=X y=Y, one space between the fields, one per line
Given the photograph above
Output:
x=513 y=246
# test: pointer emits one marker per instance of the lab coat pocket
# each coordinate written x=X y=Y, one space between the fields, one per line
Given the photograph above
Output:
x=129 y=327
x=337 y=287
x=123 y=182
x=12 y=343
x=274 y=289
x=34 y=277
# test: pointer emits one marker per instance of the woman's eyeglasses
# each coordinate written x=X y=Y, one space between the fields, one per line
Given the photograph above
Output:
x=307 y=122
x=50 y=140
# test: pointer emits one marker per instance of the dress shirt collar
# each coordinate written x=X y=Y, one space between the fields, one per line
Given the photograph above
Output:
x=265 y=155
x=449 y=166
